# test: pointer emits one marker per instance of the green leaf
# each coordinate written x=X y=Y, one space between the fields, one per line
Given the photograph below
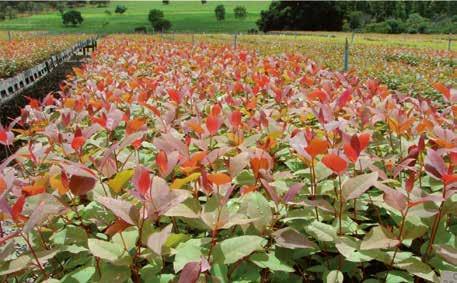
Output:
x=97 y=214
x=190 y=208
x=356 y=186
x=447 y=252
x=15 y=265
x=270 y=261
x=150 y=271
x=114 y=253
x=80 y=275
x=290 y=238
x=378 y=238
x=121 y=208
x=256 y=206
x=397 y=276
x=321 y=231
x=189 y=251
x=158 y=239
x=114 y=273
x=70 y=235
x=246 y=272
x=234 y=249
x=334 y=276
x=220 y=272
x=244 y=178
x=415 y=266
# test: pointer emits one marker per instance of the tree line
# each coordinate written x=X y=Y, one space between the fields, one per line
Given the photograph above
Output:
x=368 y=16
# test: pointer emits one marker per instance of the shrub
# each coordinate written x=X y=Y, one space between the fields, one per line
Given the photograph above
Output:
x=417 y=24
x=204 y=2
x=156 y=18
x=162 y=25
x=355 y=20
x=396 y=26
x=154 y=15
x=165 y=2
x=220 y=12
x=120 y=9
x=72 y=17
x=381 y=27
x=240 y=12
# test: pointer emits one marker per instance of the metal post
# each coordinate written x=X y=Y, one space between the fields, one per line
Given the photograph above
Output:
x=352 y=39
x=9 y=36
x=234 y=41
x=449 y=44
x=346 y=55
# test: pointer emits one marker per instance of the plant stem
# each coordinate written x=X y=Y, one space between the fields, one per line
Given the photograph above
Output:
x=340 y=213
x=400 y=239
x=313 y=186
x=436 y=223
x=35 y=256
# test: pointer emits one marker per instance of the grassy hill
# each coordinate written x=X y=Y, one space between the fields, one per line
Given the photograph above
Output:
x=185 y=16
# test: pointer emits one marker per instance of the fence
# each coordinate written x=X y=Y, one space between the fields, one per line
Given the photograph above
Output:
x=14 y=85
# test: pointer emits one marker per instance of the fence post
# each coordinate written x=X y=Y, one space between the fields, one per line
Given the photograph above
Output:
x=352 y=39
x=346 y=55
x=193 y=40
x=449 y=44
x=9 y=35
x=234 y=41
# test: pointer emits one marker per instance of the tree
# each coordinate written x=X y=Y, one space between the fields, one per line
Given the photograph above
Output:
x=157 y=20
x=355 y=20
x=165 y=2
x=220 y=12
x=302 y=15
x=72 y=17
x=120 y=9
x=204 y=2
x=240 y=12
x=417 y=24
x=162 y=25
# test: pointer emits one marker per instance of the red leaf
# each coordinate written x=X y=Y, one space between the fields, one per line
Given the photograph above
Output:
x=142 y=180
x=134 y=125
x=190 y=273
x=162 y=162
x=449 y=179
x=364 y=140
x=118 y=226
x=317 y=94
x=17 y=208
x=216 y=110
x=409 y=185
x=235 y=118
x=258 y=163
x=81 y=185
x=344 y=98
x=212 y=123
x=219 y=179
x=350 y=153
x=355 y=144
x=174 y=95
x=443 y=89
x=434 y=164
x=335 y=163
x=316 y=147
x=33 y=190
x=78 y=140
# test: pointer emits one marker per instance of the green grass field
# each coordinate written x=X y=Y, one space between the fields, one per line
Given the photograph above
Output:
x=185 y=16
